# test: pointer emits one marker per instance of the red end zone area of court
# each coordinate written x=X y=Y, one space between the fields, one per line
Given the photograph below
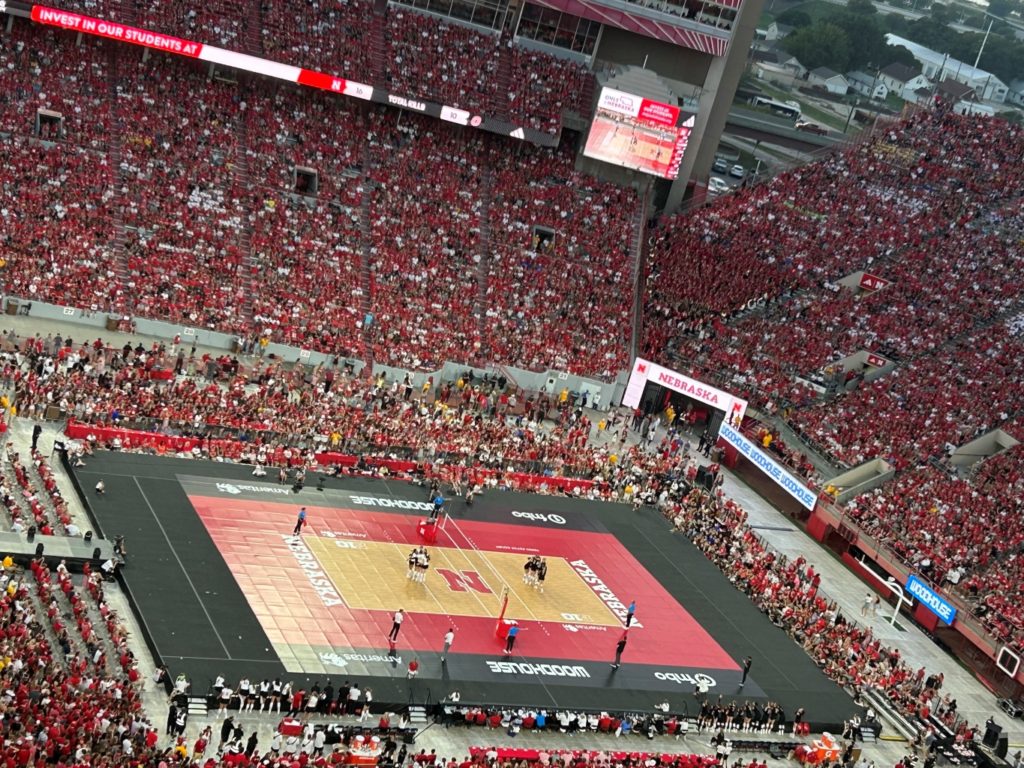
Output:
x=337 y=585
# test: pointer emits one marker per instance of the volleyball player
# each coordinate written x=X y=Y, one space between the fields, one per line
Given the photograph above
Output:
x=412 y=560
x=275 y=695
x=422 y=565
x=245 y=694
x=541 y=573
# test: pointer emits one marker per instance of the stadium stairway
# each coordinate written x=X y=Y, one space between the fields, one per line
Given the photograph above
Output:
x=91 y=611
x=126 y=12
x=242 y=184
x=484 y=257
x=887 y=712
x=418 y=715
x=365 y=246
x=638 y=252
x=252 y=40
x=114 y=145
x=504 y=82
x=378 y=42
x=587 y=99
x=198 y=706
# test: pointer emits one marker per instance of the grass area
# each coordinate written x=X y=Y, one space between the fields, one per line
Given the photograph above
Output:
x=892 y=101
x=816 y=9
x=821 y=116
x=775 y=92
x=747 y=160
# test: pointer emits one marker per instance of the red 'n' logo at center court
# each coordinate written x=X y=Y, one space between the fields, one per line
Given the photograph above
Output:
x=461 y=581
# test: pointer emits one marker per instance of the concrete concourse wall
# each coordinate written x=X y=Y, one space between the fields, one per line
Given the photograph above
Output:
x=602 y=395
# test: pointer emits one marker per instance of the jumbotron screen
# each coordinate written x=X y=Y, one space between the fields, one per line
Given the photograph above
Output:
x=638 y=133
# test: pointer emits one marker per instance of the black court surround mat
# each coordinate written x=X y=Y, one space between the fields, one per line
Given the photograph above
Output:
x=198 y=614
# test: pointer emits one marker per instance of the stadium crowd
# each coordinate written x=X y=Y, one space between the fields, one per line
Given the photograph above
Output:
x=423 y=246
x=264 y=406
x=558 y=282
x=333 y=273
x=962 y=533
x=71 y=686
x=929 y=216
x=787 y=590
x=203 y=212
x=901 y=205
x=441 y=61
x=411 y=53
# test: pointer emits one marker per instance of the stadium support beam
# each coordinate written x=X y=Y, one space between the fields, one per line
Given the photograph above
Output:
x=719 y=89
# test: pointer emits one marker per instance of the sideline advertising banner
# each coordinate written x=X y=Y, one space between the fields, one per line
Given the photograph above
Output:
x=930 y=599
x=782 y=476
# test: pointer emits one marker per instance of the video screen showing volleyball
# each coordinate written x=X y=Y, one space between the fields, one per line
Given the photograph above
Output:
x=638 y=133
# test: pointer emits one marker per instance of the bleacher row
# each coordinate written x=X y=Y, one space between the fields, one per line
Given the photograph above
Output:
x=70 y=680
x=412 y=54
x=30 y=495
x=179 y=209
x=746 y=293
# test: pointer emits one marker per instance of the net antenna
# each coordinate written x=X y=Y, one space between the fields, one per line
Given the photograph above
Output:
x=504 y=605
x=472 y=555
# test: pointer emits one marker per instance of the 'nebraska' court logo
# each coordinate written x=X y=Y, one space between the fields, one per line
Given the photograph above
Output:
x=234 y=490
x=463 y=581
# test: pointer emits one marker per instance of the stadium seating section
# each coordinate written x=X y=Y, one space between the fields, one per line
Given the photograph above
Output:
x=426 y=243
x=180 y=209
x=746 y=292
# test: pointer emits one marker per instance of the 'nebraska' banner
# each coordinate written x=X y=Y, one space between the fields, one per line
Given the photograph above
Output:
x=645 y=371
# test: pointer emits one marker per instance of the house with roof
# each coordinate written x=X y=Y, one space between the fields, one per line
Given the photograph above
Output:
x=831 y=81
x=778 y=59
x=1016 y=93
x=867 y=85
x=900 y=78
x=777 y=31
x=962 y=97
x=941 y=66
x=954 y=91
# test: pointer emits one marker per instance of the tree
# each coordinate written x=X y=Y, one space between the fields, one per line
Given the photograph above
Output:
x=897 y=54
x=862 y=7
x=941 y=14
x=795 y=18
x=1003 y=57
x=871 y=48
x=897 y=24
x=1000 y=8
x=822 y=44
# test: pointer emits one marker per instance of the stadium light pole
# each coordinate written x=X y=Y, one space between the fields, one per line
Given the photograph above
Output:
x=984 y=40
x=901 y=597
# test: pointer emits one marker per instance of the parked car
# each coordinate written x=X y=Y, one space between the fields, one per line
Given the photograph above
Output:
x=808 y=127
x=717 y=186
x=720 y=165
x=737 y=171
